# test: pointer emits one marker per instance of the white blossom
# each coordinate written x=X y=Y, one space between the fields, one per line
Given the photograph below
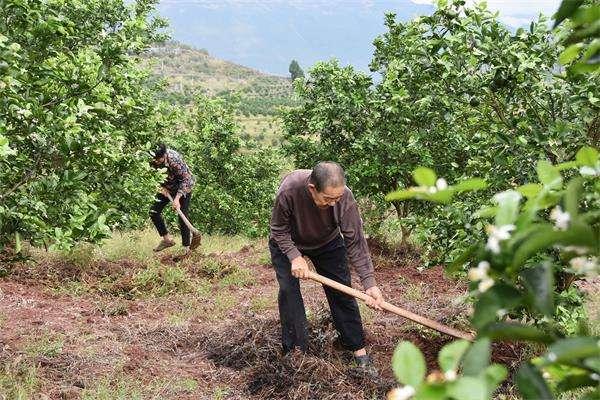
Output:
x=450 y=375
x=441 y=184
x=403 y=393
x=485 y=284
x=507 y=195
x=589 y=171
x=479 y=273
x=546 y=375
x=496 y=235
x=561 y=218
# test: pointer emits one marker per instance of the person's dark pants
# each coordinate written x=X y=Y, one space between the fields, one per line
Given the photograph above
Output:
x=160 y=201
x=330 y=261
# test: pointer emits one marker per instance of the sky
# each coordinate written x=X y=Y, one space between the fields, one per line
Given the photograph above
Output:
x=515 y=13
x=267 y=34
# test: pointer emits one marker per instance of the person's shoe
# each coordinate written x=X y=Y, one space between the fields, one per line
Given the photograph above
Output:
x=363 y=365
x=164 y=244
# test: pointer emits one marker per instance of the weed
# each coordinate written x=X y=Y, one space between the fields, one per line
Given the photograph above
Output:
x=71 y=288
x=413 y=292
x=18 y=380
x=47 y=345
x=258 y=304
x=220 y=393
x=239 y=277
x=108 y=389
x=161 y=281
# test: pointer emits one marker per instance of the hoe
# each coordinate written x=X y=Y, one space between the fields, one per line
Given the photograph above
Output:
x=196 y=236
x=392 y=308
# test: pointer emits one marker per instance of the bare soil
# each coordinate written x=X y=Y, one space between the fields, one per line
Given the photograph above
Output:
x=219 y=344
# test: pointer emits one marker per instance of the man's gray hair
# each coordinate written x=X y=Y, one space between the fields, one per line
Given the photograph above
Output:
x=327 y=174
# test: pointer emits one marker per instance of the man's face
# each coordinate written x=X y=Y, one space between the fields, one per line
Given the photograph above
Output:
x=327 y=197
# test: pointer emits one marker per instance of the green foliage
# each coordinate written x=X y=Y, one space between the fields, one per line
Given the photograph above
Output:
x=459 y=91
x=76 y=118
x=583 y=53
x=236 y=183
x=554 y=233
x=409 y=367
x=295 y=70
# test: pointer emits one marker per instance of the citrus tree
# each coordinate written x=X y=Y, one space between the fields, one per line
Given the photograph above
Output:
x=236 y=180
x=458 y=90
x=543 y=236
x=77 y=117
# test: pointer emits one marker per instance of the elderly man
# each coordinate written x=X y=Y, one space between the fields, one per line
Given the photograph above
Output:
x=316 y=216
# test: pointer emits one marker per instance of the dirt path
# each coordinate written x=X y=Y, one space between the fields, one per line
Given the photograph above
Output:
x=106 y=340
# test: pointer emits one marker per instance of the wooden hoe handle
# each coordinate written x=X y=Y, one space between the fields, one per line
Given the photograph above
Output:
x=392 y=308
x=184 y=218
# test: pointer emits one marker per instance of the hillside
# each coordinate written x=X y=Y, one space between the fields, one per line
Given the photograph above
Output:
x=189 y=71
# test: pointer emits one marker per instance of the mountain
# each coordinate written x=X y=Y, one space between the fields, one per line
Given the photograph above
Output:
x=256 y=96
x=268 y=34
x=189 y=71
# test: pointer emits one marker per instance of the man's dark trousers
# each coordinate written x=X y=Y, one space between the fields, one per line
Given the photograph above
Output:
x=330 y=261
x=160 y=201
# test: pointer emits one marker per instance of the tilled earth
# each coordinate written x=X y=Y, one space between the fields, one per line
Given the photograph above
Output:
x=107 y=338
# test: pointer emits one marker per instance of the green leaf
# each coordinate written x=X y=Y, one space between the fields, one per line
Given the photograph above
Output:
x=539 y=281
x=402 y=195
x=468 y=388
x=576 y=381
x=408 y=364
x=508 y=207
x=442 y=196
x=430 y=392
x=566 y=9
x=570 y=53
x=530 y=190
x=17 y=242
x=566 y=165
x=424 y=176
x=470 y=184
x=587 y=156
x=548 y=174
x=572 y=196
x=514 y=332
x=499 y=297
x=545 y=237
x=450 y=355
x=477 y=358
x=571 y=349
x=593 y=363
x=465 y=256
x=531 y=384
x=486 y=212
x=494 y=375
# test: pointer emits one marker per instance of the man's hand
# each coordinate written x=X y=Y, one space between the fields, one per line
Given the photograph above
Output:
x=300 y=268
x=376 y=298
x=176 y=204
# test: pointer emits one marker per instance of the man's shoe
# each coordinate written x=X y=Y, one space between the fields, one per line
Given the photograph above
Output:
x=163 y=245
x=363 y=365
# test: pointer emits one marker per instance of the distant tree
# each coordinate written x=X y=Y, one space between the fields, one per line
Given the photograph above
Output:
x=295 y=70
